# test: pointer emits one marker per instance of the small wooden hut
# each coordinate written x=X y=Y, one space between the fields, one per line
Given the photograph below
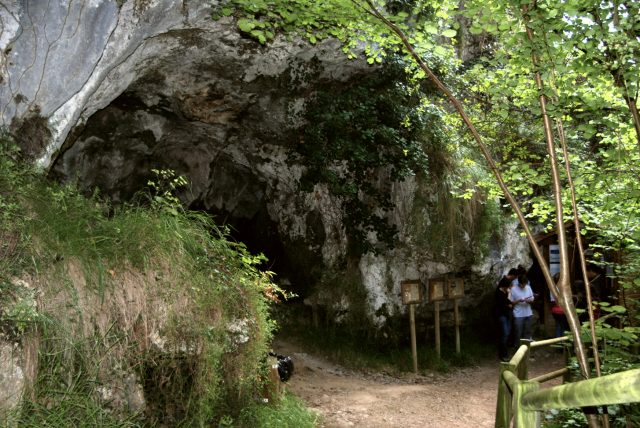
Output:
x=548 y=243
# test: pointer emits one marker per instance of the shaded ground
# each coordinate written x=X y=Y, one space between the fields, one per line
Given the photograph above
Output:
x=465 y=397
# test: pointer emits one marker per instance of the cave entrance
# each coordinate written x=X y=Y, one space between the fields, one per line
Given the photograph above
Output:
x=260 y=234
x=231 y=173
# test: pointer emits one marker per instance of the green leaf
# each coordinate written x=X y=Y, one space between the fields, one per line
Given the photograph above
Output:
x=504 y=25
x=260 y=35
x=246 y=25
x=431 y=29
x=617 y=309
x=440 y=50
x=449 y=33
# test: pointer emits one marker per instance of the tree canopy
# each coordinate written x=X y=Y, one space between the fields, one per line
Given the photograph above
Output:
x=586 y=53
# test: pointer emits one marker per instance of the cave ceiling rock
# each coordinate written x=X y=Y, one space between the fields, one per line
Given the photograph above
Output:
x=121 y=86
x=66 y=60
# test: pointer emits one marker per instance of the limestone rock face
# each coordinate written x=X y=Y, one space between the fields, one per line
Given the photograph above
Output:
x=103 y=91
x=12 y=379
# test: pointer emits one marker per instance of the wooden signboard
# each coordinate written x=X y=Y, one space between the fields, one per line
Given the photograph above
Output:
x=437 y=289
x=455 y=288
x=411 y=292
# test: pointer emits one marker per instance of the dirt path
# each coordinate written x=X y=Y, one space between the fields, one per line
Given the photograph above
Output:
x=465 y=397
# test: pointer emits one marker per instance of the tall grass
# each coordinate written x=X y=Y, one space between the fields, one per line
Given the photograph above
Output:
x=290 y=412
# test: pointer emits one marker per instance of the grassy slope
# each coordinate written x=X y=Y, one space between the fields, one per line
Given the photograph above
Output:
x=129 y=316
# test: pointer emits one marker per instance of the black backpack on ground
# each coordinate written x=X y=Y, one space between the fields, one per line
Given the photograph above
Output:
x=285 y=366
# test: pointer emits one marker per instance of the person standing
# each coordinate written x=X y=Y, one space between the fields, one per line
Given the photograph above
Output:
x=502 y=312
x=521 y=298
x=559 y=317
x=557 y=312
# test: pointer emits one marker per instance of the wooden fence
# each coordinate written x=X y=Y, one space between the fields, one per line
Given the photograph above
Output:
x=520 y=400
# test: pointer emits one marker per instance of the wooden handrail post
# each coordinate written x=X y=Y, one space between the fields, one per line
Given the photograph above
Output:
x=547 y=342
x=565 y=353
x=521 y=400
x=551 y=375
x=503 y=404
x=617 y=388
x=524 y=418
x=523 y=367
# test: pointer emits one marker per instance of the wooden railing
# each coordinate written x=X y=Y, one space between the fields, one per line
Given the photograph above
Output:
x=520 y=399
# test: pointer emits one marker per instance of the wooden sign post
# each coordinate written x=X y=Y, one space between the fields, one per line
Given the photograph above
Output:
x=441 y=289
x=455 y=291
x=437 y=289
x=456 y=321
x=412 y=294
x=436 y=318
x=414 y=346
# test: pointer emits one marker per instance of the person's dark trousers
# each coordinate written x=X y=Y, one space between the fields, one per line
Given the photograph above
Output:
x=562 y=324
x=523 y=328
x=504 y=326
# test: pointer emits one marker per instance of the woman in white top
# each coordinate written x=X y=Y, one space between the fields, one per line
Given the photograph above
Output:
x=522 y=297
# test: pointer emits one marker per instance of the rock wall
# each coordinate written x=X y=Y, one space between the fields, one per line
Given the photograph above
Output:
x=12 y=379
x=103 y=92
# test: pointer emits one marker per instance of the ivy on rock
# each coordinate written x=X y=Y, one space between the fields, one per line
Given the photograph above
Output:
x=362 y=138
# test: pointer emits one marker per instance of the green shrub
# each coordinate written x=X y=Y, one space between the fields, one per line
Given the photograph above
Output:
x=617 y=345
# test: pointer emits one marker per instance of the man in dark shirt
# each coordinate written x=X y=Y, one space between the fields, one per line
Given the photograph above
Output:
x=502 y=308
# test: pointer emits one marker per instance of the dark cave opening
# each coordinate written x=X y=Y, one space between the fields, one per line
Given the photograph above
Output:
x=287 y=260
